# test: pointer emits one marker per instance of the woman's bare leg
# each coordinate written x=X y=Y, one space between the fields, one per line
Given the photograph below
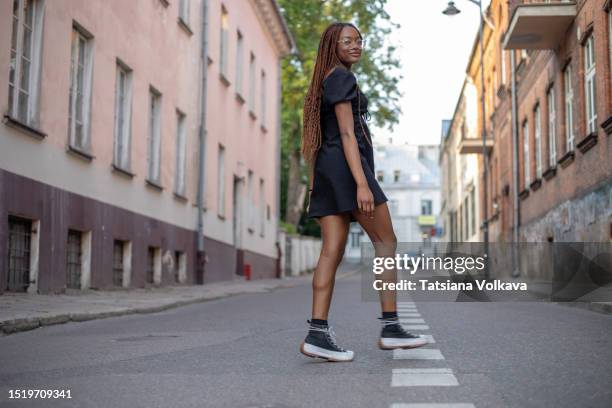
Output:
x=380 y=231
x=334 y=233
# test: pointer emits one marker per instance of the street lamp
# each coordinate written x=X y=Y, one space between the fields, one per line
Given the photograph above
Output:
x=451 y=10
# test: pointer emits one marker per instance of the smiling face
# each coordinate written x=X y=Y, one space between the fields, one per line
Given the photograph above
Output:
x=348 y=48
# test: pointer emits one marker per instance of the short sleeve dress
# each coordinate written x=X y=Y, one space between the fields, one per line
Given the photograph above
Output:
x=334 y=189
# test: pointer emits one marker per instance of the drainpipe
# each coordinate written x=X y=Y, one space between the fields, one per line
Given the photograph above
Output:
x=279 y=90
x=515 y=168
x=202 y=133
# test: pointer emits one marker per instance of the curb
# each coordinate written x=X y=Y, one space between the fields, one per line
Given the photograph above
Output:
x=8 y=327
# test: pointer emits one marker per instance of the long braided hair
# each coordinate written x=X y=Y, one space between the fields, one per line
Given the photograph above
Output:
x=327 y=58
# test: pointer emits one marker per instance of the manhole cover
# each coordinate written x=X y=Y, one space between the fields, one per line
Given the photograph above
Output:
x=147 y=337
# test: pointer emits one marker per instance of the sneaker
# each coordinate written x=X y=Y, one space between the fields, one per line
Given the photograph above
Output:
x=393 y=336
x=321 y=343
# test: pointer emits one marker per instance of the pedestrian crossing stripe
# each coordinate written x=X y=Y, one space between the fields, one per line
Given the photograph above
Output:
x=417 y=354
x=408 y=321
x=416 y=327
x=410 y=314
x=419 y=377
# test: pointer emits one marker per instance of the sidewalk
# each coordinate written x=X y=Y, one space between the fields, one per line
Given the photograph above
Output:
x=19 y=312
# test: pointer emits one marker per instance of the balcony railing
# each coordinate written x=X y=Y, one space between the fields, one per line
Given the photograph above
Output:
x=538 y=24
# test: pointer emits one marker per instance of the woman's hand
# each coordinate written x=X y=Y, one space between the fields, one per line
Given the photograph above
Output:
x=365 y=200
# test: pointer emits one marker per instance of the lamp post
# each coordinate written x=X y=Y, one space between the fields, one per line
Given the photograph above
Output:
x=451 y=10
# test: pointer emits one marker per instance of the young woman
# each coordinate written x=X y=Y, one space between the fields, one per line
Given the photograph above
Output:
x=336 y=144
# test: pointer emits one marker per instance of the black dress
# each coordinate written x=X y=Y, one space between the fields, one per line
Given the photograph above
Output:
x=334 y=189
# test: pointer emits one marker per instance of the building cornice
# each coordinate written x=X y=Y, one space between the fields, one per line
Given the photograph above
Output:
x=270 y=13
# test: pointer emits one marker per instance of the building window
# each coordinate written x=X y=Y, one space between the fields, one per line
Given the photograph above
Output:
x=80 y=90
x=252 y=84
x=224 y=42
x=123 y=117
x=473 y=210
x=552 y=129
x=239 y=62
x=24 y=67
x=221 y=181
x=538 y=142
x=180 y=267
x=380 y=176
x=154 y=266
x=426 y=207
x=250 y=202
x=589 y=84
x=569 y=109
x=184 y=11
x=466 y=218
x=396 y=176
x=526 y=153
x=355 y=238
x=19 y=250
x=179 y=181
x=262 y=207
x=74 y=260
x=154 y=150
x=393 y=207
x=262 y=93
x=122 y=254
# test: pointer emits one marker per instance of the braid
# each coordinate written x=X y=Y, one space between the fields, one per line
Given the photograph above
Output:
x=326 y=60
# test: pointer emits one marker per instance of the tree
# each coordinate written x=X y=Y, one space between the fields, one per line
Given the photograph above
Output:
x=376 y=71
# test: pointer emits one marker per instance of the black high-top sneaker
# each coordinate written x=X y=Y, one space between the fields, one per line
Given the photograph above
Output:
x=393 y=336
x=321 y=343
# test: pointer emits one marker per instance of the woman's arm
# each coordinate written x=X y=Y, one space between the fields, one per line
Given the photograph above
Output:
x=344 y=114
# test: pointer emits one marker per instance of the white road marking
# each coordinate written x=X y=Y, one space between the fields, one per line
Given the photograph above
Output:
x=430 y=339
x=409 y=314
x=417 y=354
x=434 y=405
x=408 y=321
x=418 y=377
x=405 y=303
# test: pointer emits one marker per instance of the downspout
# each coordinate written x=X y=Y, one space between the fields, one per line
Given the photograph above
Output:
x=279 y=90
x=202 y=133
x=515 y=168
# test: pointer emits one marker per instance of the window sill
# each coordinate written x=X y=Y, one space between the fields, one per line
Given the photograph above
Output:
x=240 y=98
x=524 y=194
x=154 y=184
x=535 y=184
x=183 y=24
x=25 y=128
x=550 y=173
x=180 y=197
x=252 y=115
x=567 y=159
x=81 y=154
x=224 y=79
x=121 y=171
x=607 y=125
x=587 y=142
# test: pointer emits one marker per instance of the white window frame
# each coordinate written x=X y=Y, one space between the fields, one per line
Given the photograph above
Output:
x=80 y=89
x=250 y=201
x=552 y=128
x=262 y=207
x=181 y=151
x=538 y=140
x=221 y=180
x=569 y=109
x=263 y=97
x=527 y=175
x=251 y=101
x=239 y=61
x=589 y=85
x=154 y=137
x=123 y=117
x=19 y=57
x=184 y=11
x=224 y=43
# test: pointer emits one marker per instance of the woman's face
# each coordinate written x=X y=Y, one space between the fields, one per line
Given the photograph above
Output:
x=348 y=47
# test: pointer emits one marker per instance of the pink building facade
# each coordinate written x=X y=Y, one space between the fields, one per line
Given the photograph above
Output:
x=101 y=140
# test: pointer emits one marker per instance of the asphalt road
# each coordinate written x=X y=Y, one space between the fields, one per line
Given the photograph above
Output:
x=242 y=351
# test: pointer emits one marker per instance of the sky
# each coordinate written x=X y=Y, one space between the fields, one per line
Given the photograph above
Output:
x=433 y=50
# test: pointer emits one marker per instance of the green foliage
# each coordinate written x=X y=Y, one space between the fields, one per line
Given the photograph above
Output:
x=378 y=71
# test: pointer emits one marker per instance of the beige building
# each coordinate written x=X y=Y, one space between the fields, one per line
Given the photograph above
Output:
x=100 y=146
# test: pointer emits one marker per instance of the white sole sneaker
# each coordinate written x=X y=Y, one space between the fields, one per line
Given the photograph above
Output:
x=392 y=344
x=329 y=355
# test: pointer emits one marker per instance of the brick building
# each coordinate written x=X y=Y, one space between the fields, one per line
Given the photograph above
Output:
x=559 y=185
x=102 y=131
